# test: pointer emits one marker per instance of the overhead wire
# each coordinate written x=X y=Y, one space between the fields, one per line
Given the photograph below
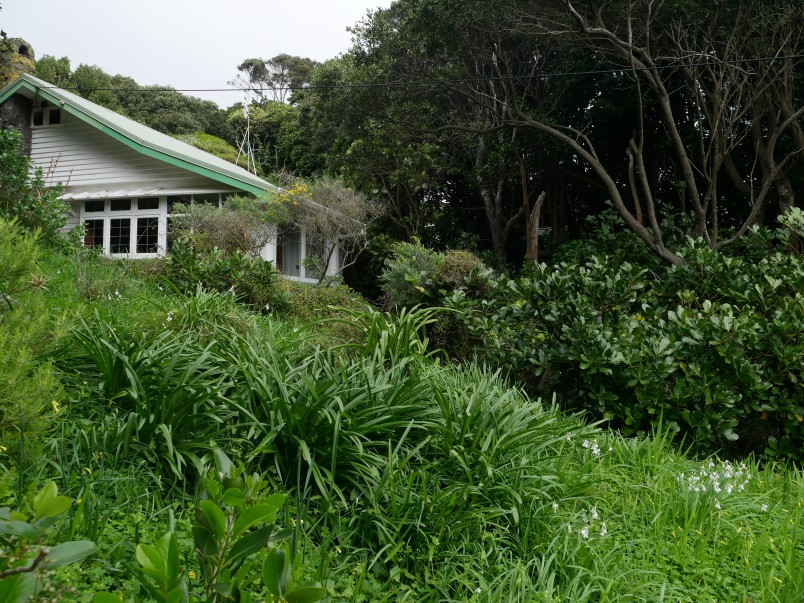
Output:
x=453 y=81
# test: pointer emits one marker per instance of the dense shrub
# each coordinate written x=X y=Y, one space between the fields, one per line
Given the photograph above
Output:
x=250 y=279
x=408 y=275
x=711 y=348
x=29 y=388
x=243 y=224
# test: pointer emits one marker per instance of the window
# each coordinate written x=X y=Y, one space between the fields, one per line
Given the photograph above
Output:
x=46 y=116
x=148 y=203
x=289 y=253
x=121 y=205
x=119 y=235
x=124 y=226
x=315 y=252
x=93 y=233
x=147 y=235
x=210 y=199
x=174 y=199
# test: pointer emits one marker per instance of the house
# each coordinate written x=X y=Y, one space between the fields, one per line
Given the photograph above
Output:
x=121 y=179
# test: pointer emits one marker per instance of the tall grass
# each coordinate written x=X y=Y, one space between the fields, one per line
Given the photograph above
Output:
x=409 y=478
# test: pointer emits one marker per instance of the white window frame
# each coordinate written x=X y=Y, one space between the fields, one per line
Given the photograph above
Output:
x=132 y=214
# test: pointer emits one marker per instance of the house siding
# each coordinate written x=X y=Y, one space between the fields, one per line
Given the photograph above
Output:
x=83 y=158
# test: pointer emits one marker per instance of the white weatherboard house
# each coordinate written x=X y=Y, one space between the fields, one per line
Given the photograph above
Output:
x=121 y=178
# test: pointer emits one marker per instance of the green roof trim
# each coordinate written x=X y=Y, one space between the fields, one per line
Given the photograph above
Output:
x=141 y=138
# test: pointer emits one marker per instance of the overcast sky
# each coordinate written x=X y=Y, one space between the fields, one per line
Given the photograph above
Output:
x=183 y=43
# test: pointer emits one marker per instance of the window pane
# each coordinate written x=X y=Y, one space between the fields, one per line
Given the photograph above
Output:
x=121 y=205
x=147 y=235
x=93 y=233
x=148 y=203
x=54 y=117
x=39 y=118
x=119 y=235
x=90 y=206
x=314 y=257
x=291 y=253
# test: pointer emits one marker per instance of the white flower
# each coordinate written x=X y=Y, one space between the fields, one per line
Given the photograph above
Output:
x=764 y=507
x=717 y=505
x=555 y=507
x=603 y=529
x=478 y=590
x=569 y=528
x=586 y=444
x=594 y=513
x=585 y=532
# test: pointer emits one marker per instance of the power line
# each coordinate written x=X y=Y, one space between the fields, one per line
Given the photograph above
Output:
x=423 y=83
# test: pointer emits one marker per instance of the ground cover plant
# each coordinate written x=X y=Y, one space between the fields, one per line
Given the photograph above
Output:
x=404 y=476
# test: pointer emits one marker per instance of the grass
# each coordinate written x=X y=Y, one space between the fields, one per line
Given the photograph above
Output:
x=409 y=478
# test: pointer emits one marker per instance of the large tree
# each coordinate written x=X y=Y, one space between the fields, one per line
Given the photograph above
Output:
x=663 y=108
x=712 y=84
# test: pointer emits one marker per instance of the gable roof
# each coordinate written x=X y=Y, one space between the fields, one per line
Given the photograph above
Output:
x=141 y=138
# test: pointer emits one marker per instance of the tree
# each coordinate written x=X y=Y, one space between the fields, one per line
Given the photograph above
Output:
x=274 y=136
x=695 y=76
x=277 y=79
x=665 y=109
x=332 y=216
x=54 y=71
x=422 y=98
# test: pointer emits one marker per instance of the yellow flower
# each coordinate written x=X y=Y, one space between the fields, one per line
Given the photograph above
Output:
x=191 y=574
x=56 y=406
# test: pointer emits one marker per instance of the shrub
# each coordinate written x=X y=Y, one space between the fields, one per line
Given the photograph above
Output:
x=408 y=275
x=710 y=348
x=23 y=193
x=250 y=279
x=242 y=225
x=29 y=388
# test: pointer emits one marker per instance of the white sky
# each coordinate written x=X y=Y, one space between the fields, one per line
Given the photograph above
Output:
x=183 y=43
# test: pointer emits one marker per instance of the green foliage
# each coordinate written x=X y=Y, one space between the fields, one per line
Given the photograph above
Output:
x=214 y=145
x=23 y=194
x=158 y=107
x=26 y=564
x=160 y=398
x=233 y=527
x=408 y=275
x=242 y=224
x=250 y=280
x=414 y=274
x=404 y=477
x=711 y=347
x=29 y=388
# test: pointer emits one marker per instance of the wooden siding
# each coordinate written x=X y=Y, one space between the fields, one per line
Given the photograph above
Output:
x=84 y=158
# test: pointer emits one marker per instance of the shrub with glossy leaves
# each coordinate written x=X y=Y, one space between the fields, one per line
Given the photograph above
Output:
x=712 y=347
